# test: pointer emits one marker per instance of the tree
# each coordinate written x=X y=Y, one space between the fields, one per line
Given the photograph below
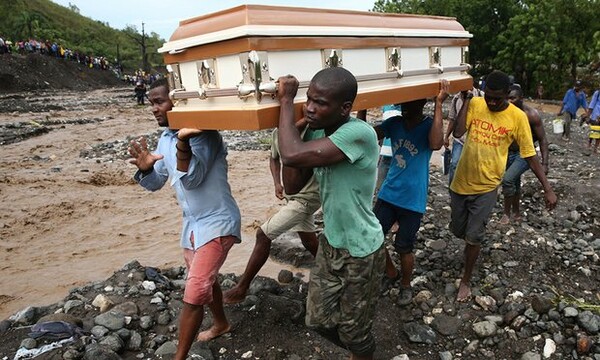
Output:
x=536 y=47
x=483 y=18
x=27 y=23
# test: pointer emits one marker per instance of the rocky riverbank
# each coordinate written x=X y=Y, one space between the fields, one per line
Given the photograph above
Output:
x=536 y=285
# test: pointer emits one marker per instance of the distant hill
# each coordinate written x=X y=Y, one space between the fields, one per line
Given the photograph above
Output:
x=45 y=20
x=35 y=72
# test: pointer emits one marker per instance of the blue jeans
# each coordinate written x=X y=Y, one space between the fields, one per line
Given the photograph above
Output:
x=408 y=224
x=515 y=167
x=456 y=151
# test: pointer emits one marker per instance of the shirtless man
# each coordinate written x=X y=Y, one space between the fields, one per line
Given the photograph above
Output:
x=516 y=165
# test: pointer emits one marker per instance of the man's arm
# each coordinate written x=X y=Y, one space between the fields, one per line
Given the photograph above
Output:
x=536 y=167
x=294 y=152
x=275 y=167
x=436 y=132
x=538 y=130
x=460 y=128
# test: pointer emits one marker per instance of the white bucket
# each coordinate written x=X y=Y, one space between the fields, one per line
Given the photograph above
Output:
x=558 y=126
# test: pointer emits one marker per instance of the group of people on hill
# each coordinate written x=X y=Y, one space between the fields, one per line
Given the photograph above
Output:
x=574 y=99
x=47 y=47
x=329 y=159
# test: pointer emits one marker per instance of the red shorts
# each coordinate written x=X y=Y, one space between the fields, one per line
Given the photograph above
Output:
x=203 y=267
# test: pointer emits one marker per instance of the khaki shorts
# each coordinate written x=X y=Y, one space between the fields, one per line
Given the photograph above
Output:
x=342 y=295
x=294 y=216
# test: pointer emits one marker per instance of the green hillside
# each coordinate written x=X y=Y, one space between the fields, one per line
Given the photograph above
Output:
x=43 y=19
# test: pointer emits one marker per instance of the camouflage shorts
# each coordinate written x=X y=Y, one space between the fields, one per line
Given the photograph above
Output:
x=342 y=296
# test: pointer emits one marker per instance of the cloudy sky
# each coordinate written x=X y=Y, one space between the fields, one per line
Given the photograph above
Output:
x=163 y=16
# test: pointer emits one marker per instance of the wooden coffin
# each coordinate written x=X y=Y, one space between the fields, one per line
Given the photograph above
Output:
x=223 y=66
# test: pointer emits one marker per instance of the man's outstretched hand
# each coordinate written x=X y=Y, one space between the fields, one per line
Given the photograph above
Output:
x=140 y=156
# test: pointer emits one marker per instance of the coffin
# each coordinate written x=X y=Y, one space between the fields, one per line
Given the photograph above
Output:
x=223 y=66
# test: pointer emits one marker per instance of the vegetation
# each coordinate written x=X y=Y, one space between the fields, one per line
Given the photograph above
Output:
x=553 y=41
x=45 y=20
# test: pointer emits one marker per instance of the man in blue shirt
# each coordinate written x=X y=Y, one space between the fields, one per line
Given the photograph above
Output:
x=593 y=114
x=403 y=195
x=574 y=99
x=195 y=162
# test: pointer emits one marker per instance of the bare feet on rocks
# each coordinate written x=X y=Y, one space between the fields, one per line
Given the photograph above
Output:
x=464 y=292
x=213 y=332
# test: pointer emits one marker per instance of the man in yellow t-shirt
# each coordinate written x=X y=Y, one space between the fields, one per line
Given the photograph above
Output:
x=491 y=124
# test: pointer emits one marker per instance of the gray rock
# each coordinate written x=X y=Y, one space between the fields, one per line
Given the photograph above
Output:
x=28 y=343
x=589 y=321
x=98 y=352
x=146 y=322
x=112 y=320
x=446 y=325
x=72 y=354
x=113 y=342
x=485 y=329
x=25 y=316
x=574 y=215
x=401 y=357
x=419 y=333
x=124 y=334
x=202 y=350
x=99 y=331
x=71 y=304
x=570 y=311
x=168 y=348
x=128 y=308
x=437 y=245
x=530 y=355
x=5 y=325
x=163 y=318
x=135 y=341
x=445 y=355
x=472 y=347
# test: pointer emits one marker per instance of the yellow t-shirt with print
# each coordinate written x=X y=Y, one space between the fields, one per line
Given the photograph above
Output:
x=489 y=134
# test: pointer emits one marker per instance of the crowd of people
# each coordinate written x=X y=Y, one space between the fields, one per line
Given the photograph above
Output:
x=52 y=48
x=334 y=161
x=574 y=99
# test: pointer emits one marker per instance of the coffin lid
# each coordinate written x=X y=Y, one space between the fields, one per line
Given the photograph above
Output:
x=262 y=20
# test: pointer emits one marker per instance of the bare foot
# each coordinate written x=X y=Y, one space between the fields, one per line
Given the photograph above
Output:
x=234 y=296
x=464 y=292
x=213 y=332
x=504 y=220
x=517 y=218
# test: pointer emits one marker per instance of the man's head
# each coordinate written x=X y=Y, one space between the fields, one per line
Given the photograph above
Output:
x=577 y=86
x=329 y=98
x=515 y=95
x=160 y=101
x=496 y=91
x=413 y=109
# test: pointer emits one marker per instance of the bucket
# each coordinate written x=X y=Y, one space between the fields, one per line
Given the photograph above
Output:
x=558 y=126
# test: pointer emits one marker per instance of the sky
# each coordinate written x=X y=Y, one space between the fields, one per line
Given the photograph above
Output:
x=163 y=16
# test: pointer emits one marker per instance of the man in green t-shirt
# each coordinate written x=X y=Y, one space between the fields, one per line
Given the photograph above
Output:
x=342 y=151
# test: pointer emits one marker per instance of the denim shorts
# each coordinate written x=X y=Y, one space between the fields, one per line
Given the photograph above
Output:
x=408 y=224
x=515 y=167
